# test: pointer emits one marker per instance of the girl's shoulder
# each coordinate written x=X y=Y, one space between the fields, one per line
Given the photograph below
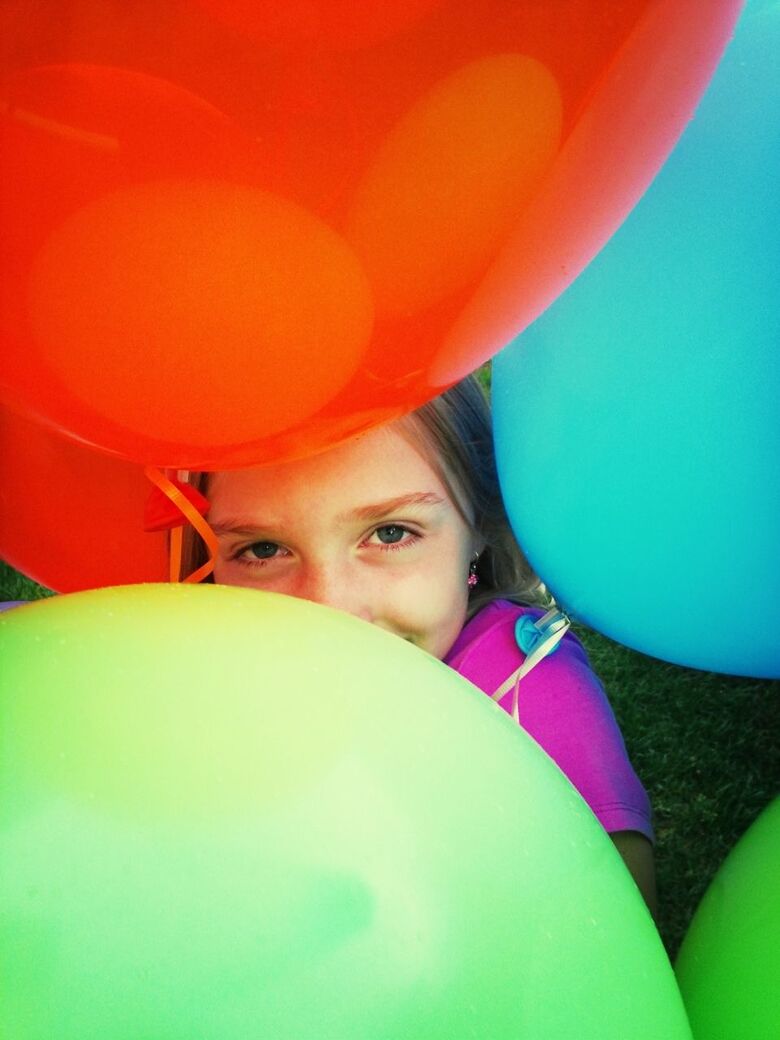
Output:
x=488 y=648
x=498 y=621
x=562 y=705
x=498 y=613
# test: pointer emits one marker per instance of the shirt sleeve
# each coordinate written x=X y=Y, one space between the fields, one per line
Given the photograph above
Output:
x=564 y=707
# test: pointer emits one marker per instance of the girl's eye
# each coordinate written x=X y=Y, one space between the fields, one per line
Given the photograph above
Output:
x=394 y=536
x=262 y=550
x=391 y=533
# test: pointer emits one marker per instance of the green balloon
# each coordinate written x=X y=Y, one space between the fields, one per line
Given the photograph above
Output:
x=229 y=815
x=728 y=967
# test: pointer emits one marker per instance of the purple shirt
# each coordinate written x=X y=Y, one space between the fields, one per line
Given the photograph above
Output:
x=563 y=706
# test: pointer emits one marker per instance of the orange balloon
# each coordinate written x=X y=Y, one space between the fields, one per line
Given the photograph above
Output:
x=72 y=518
x=239 y=232
x=337 y=24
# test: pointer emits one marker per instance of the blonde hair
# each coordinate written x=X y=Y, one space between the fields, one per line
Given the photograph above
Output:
x=454 y=433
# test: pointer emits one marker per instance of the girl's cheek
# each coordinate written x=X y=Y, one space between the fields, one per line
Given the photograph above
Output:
x=234 y=572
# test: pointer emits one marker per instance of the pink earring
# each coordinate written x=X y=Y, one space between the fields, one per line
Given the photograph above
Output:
x=472 y=579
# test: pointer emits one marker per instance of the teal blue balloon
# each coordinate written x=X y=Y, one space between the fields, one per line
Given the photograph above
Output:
x=728 y=967
x=638 y=420
x=229 y=815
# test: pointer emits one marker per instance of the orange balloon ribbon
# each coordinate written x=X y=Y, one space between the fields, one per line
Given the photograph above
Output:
x=171 y=503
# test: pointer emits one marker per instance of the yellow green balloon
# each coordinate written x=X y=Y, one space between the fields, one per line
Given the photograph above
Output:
x=728 y=967
x=228 y=815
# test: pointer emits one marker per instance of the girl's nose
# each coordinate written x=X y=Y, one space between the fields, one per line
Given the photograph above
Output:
x=333 y=585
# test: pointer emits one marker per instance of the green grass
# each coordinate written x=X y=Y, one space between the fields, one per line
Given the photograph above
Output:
x=15 y=586
x=705 y=746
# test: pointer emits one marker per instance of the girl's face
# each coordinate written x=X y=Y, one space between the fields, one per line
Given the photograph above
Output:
x=368 y=527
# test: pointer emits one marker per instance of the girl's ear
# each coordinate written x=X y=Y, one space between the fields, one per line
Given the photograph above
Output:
x=477 y=546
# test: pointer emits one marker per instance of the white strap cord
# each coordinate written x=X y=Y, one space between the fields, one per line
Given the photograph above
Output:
x=552 y=628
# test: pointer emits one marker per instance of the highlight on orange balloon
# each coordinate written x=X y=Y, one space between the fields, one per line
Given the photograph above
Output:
x=320 y=23
x=450 y=179
x=164 y=305
x=72 y=518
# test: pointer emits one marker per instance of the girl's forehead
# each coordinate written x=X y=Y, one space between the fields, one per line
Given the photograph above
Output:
x=383 y=461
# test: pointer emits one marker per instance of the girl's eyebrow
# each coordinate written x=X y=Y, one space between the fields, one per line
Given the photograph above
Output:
x=247 y=525
x=235 y=525
x=377 y=510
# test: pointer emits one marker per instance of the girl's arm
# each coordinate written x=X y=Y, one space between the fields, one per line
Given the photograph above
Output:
x=637 y=853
